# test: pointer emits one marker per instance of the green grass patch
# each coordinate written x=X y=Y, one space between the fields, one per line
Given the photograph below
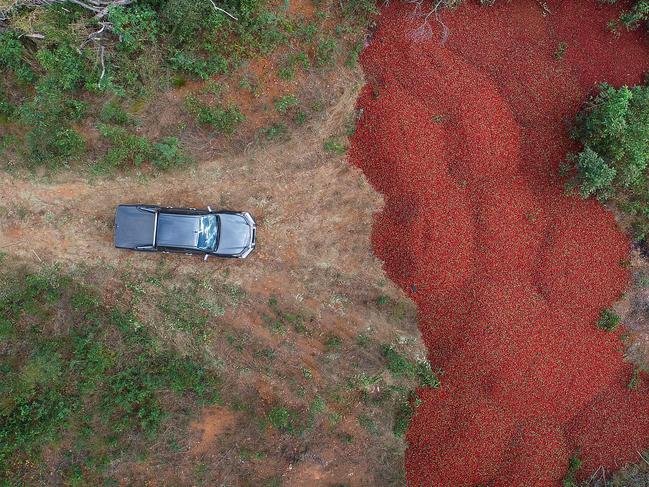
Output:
x=335 y=145
x=224 y=120
x=90 y=369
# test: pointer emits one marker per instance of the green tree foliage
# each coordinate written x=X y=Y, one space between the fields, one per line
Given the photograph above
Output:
x=135 y=27
x=637 y=15
x=614 y=131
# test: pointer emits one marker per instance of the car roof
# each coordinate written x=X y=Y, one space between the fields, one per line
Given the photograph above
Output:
x=178 y=230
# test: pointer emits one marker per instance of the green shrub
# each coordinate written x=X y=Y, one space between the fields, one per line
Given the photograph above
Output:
x=288 y=69
x=325 y=52
x=6 y=109
x=284 y=103
x=187 y=20
x=333 y=342
x=135 y=25
x=277 y=131
x=354 y=54
x=363 y=10
x=614 y=131
x=225 y=120
x=127 y=148
x=634 y=380
x=570 y=480
x=404 y=411
x=11 y=58
x=397 y=364
x=400 y=366
x=608 y=320
x=281 y=419
x=167 y=153
x=333 y=144
x=425 y=374
x=560 y=52
x=11 y=51
x=368 y=424
x=190 y=63
x=47 y=115
x=264 y=32
x=113 y=112
x=637 y=15
x=64 y=69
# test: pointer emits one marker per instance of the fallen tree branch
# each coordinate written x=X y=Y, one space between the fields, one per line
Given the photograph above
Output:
x=97 y=7
x=544 y=7
x=219 y=9
x=425 y=31
x=103 y=64
x=105 y=26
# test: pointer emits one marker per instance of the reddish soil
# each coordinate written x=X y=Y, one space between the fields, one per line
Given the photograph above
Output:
x=464 y=139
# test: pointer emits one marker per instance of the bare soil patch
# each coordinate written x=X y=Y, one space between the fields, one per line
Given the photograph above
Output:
x=283 y=326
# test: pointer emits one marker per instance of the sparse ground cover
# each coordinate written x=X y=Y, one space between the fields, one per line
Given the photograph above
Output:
x=294 y=337
x=98 y=392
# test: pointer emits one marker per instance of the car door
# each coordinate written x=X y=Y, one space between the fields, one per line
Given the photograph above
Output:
x=176 y=250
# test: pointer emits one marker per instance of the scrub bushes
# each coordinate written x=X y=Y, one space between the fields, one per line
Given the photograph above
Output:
x=78 y=372
x=613 y=128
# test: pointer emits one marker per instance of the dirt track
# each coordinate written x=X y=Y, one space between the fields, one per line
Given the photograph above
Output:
x=314 y=213
x=293 y=189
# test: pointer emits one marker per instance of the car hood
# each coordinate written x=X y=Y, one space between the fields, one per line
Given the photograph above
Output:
x=235 y=234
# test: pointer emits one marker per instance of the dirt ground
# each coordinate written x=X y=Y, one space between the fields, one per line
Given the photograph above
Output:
x=314 y=214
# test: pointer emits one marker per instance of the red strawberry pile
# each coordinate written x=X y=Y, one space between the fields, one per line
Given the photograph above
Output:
x=464 y=138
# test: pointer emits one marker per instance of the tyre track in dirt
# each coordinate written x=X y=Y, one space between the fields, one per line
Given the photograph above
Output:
x=308 y=205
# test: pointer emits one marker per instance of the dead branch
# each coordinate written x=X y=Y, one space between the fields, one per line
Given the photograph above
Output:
x=103 y=64
x=425 y=30
x=97 y=7
x=643 y=458
x=219 y=9
x=544 y=7
x=105 y=27
x=34 y=35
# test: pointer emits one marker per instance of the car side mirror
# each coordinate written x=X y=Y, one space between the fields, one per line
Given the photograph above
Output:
x=205 y=258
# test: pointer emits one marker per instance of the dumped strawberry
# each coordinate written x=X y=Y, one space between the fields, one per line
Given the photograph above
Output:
x=464 y=138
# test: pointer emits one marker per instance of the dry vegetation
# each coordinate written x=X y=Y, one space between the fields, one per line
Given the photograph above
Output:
x=317 y=352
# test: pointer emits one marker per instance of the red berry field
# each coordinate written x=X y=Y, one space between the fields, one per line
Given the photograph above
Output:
x=464 y=137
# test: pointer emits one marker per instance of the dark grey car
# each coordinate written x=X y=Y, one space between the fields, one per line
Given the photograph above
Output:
x=151 y=228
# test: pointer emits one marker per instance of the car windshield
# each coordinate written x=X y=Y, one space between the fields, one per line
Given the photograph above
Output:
x=208 y=230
